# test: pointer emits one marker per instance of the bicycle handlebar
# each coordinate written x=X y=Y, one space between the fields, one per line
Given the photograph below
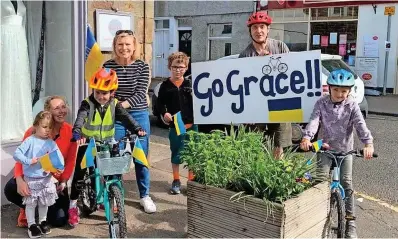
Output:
x=356 y=152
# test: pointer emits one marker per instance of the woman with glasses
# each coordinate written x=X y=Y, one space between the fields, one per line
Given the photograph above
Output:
x=16 y=188
x=133 y=75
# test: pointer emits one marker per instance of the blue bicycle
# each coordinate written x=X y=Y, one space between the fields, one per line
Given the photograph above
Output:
x=103 y=183
x=336 y=221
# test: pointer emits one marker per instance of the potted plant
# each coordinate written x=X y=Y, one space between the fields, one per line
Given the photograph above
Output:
x=241 y=190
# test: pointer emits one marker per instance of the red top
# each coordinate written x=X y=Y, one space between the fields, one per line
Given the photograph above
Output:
x=68 y=150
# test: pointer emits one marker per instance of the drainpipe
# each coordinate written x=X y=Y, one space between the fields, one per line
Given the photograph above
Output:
x=144 y=42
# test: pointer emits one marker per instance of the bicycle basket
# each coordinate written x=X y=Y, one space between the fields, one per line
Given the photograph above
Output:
x=113 y=166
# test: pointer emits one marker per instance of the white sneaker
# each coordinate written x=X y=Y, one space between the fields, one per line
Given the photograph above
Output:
x=147 y=203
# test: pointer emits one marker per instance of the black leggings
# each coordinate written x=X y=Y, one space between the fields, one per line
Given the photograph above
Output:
x=57 y=215
x=79 y=173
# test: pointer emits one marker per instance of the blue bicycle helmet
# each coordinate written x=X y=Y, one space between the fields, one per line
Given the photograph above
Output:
x=341 y=77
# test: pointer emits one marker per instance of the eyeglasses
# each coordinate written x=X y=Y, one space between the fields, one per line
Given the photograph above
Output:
x=128 y=32
x=178 y=68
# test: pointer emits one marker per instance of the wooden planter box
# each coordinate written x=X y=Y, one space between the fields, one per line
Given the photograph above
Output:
x=212 y=214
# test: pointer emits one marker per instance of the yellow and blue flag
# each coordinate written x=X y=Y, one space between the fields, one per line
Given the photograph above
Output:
x=88 y=158
x=285 y=110
x=179 y=124
x=139 y=154
x=317 y=145
x=51 y=162
x=93 y=55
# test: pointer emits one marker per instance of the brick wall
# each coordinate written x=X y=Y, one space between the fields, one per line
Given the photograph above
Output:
x=137 y=9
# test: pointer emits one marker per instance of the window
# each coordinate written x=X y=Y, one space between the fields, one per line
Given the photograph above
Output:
x=289 y=15
x=334 y=13
x=159 y=24
x=220 y=30
x=293 y=34
x=228 y=47
x=345 y=44
x=227 y=29
x=219 y=40
x=57 y=70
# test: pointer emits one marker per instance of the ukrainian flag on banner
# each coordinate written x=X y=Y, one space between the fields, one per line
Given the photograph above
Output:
x=52 y=162
x=285 y=110
x=88 y=158
x=179 y=124
x=93 y=55
x=139 y=154
x=317 y=145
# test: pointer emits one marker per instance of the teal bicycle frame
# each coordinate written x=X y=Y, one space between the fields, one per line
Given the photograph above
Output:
x=102 y=190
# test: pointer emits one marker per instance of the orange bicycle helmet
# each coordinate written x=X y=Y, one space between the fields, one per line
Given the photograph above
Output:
x=259 y=17
x=104 y=79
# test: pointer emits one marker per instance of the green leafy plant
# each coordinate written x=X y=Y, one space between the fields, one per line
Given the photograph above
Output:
x=243 y=161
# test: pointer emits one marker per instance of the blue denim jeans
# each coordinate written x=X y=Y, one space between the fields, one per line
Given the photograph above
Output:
x=141 y=172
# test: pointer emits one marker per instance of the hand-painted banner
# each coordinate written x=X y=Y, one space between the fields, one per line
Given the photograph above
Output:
x=267 y=89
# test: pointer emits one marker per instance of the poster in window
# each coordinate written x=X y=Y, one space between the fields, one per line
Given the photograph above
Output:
x=343 y=39
x=333 y=38
x=367 y=68
x=324 y=40
x=316 y=40
x=370 y=46
x=342 y=49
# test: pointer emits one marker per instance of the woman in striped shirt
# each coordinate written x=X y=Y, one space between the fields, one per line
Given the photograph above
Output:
x=133 y=75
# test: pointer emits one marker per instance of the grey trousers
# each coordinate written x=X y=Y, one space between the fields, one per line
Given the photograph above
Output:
x=323 y=172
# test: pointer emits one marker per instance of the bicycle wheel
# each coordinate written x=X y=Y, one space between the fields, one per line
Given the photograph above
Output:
x=88 y=197
x=267 y=70
x=282 y=67
x=117 y=224
x=336 y=218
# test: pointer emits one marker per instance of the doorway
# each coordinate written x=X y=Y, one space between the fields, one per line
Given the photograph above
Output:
x=184 y=45
x=161 y=53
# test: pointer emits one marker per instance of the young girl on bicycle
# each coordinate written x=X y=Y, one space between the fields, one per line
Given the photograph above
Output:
x=96 y=118
x=42 y=190
x=338 y=114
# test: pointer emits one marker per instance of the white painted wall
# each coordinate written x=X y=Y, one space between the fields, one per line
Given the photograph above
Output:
x=373 y=24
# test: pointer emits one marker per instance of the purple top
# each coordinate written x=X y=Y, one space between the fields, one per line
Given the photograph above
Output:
x=337 y=124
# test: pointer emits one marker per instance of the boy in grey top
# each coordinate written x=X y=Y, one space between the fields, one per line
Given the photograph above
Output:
x=258 y=24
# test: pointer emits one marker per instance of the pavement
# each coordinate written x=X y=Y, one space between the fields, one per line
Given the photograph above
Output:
x=170 y=220
x=383 y=105
x=375 y=220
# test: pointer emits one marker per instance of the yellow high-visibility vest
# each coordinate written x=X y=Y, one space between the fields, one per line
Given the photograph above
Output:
x=100 y=129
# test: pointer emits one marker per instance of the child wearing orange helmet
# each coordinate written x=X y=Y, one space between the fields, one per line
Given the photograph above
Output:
x=96 y=118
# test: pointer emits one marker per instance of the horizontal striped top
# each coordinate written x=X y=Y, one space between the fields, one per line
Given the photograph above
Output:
x=133 y=83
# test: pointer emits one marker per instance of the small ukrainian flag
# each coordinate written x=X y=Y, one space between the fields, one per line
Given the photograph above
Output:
x=52 y=162
x=285 y=110
x=88 y=158
x=93 y=55
x=139 y=154
x=317 y=145
x=179 y=124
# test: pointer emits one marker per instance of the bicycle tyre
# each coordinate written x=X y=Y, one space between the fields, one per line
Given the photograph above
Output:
x=116 y=196
x=282 y=68
x=266 y=70
x=336 y=204
x=88 y=198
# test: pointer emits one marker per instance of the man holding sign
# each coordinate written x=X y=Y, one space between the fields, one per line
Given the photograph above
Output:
x=259 y=26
